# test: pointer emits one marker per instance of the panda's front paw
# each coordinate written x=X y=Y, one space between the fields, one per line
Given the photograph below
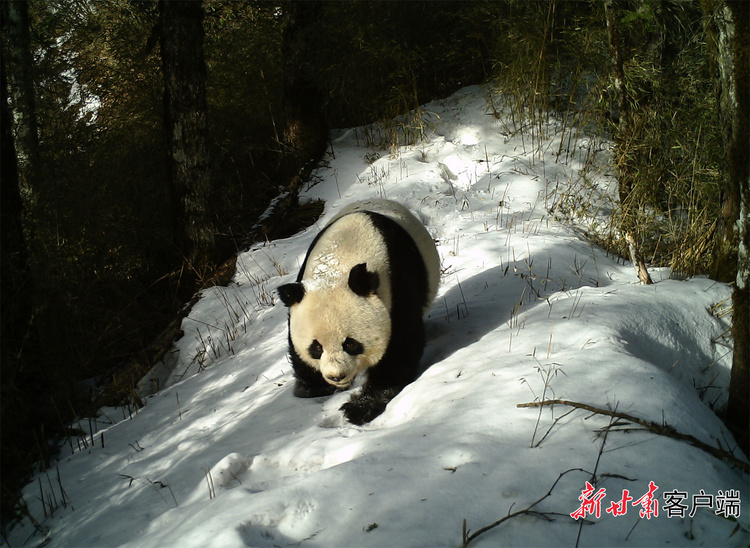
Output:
x=368 y=405
x=362 y=410
x=304 y=389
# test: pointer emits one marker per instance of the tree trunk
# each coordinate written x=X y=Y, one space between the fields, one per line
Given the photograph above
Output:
x=624 y=184
x=15 y=307
x=181 y=39
x=19 y=65
x=739 y=384
x=305 y=129
x=719 y=29
x=738 y=105
x=727 y=26
x=17 y=368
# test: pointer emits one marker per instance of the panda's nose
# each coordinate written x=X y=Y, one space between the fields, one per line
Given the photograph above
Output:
x=337 y=378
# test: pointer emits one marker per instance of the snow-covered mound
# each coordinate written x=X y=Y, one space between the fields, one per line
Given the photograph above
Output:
x=527 y=310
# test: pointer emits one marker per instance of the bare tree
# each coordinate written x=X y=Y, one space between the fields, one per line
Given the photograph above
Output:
x=181 y=40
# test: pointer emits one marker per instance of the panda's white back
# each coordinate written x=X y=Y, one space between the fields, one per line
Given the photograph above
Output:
x=348 y=241
x=414 y=227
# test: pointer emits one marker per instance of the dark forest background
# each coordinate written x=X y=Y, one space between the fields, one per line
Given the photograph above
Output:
x=142 y=140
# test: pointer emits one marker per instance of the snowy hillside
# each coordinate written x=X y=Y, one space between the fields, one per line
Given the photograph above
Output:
x=528 y=310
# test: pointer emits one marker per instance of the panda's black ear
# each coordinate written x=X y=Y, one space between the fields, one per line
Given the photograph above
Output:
x=362 y=282
x=291 y=293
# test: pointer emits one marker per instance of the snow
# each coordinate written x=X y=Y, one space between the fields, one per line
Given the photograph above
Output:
x=528 y=309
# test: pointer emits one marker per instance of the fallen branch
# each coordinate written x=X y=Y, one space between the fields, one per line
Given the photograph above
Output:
x=467 y=538
x=661 y=429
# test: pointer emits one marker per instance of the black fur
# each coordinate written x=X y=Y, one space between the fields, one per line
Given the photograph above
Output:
x=368 y=405
x=362 y=282
x=400 y=363
x=353 y=347
x=309 y=382
x=409 y=291
x=291 y=293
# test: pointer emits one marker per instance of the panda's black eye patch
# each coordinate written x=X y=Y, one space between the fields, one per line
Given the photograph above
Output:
x=315 y=350
x=352 y=347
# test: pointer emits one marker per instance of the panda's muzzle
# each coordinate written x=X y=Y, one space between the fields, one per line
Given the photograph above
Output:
x=337 y=370
x=339 y=381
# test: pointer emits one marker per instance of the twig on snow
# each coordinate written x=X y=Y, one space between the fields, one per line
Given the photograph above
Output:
x=596 y=468
x=529 y=511
x=661 y=429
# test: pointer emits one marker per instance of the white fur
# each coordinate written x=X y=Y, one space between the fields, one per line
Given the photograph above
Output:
x=326 y=316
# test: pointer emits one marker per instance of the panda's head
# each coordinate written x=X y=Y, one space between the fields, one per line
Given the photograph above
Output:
x=341 y=330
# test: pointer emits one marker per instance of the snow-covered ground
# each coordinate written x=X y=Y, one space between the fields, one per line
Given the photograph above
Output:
x=527 y=310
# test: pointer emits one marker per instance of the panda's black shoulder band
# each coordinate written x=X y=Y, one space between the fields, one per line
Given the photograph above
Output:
x=362 y=282
x=291 y=293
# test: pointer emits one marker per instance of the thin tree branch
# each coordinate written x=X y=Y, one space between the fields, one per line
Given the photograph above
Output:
x=661 y=429
x=467 y=538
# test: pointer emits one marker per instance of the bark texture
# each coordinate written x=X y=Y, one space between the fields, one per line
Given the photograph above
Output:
x=727 y=28
x=181 y=40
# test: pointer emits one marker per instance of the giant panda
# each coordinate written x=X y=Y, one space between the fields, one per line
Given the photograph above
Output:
x=358 y=303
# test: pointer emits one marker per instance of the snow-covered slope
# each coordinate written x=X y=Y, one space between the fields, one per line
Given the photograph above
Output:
x=527 y=310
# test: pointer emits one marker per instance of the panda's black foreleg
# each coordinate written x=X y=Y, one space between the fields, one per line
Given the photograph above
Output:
x=368 y=405
x=304 y=389
x=398 y=368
